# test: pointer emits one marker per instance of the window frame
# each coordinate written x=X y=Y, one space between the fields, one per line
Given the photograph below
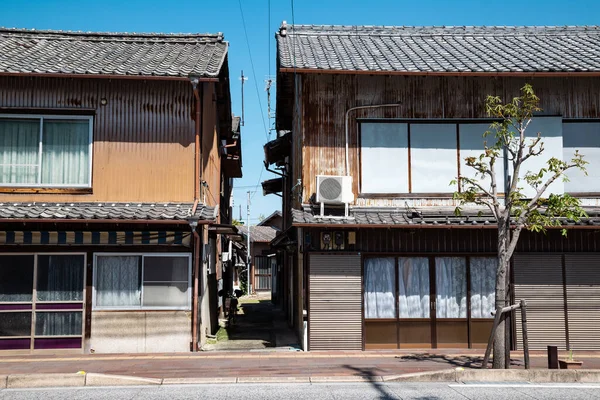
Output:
x=34 y=302
x=415 y=121
x=141 y=307
x=41 y=117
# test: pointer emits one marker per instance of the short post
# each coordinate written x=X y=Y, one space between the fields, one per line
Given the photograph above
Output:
x=525 y=337
x=552 y=357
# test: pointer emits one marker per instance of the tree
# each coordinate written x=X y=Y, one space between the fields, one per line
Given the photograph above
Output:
x=517 y=209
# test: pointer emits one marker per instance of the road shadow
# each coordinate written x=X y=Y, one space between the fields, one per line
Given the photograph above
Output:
x=456 y=361
x=371 y=375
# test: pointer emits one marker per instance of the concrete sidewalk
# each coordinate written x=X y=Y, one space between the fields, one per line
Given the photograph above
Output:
x=266 y=364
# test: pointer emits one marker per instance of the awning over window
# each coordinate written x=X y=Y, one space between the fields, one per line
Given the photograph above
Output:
x=94 y=238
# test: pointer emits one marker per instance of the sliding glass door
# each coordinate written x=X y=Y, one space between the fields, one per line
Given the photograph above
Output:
x=41 y=301
x=428 y=301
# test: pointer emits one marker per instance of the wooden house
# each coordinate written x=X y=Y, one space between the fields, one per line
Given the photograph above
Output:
x=117 y=156
x=375 y=122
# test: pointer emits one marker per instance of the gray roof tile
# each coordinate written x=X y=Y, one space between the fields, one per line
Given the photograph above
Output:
x=440 y=49
x=109 y=211
x=258 y=233
x=412 y=216
x=130 y=54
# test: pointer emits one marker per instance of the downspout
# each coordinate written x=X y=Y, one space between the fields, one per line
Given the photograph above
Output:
x=348 y=114
x=194 y=220
x=198 y=139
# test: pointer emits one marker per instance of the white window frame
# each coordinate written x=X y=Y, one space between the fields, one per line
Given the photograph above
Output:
x=141 y=307
x=41 y=118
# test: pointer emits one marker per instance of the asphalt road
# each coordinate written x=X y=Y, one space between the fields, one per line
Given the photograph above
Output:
x=332 y=391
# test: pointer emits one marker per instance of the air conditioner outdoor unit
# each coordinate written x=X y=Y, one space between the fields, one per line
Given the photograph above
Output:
x=334 y=189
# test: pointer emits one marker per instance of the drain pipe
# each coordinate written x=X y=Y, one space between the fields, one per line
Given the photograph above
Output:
x=347 y=117
x=198 y=138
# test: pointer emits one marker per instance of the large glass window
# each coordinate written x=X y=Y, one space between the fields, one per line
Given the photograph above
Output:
x=585 y=138
x=451 y=287
x=142 y=281
x=380 y=294
x=414 y=289
x=45 y=151
x=16 y=278
x=483 y=285
x=60 y=278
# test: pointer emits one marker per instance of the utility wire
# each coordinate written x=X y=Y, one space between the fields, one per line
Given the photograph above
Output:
x=253 y=72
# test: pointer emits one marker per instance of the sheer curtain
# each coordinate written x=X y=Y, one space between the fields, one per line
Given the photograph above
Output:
x=118 y=281
x=413 y=280
x=483 y=285
x=379 y=288
x=65 y=152
x=451 y=287
x=19 y=148
x=60 y=278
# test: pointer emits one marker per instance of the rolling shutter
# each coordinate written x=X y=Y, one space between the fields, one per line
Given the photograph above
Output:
x=583 y=300
x=539 y=280
x=335 y=302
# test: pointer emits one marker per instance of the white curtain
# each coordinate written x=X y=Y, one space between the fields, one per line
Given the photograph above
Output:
x=58 y=323
x=19 y=148
x=60 y=278
x=118 y=281
x=451 y=287
x=380 y=295
x=65 y=152
x=413 y=281
x=483 y=285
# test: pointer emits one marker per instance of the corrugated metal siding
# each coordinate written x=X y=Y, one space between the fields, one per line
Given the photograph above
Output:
x=335 y=302
x=143 y=136
x=326 y=97
x=539 y=280
x=582 y=272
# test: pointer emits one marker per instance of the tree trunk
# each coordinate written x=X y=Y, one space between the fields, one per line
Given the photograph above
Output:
x=501 y=273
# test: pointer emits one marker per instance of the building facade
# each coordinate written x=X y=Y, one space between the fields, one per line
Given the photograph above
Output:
x=114 y=173
x=390 y=113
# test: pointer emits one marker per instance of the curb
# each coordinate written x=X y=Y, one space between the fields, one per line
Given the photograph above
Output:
x=459 y=375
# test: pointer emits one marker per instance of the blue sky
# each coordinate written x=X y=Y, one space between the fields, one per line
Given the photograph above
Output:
x=225 y=16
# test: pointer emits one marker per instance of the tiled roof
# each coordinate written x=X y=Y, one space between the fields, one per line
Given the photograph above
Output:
x=104 y=211
x=129 y=54
x=262 y=234
x=430 y=216
x=440 y=49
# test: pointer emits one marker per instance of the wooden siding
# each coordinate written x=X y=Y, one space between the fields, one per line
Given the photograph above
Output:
x=143 y=136
x=325 y=98
x=447 y=240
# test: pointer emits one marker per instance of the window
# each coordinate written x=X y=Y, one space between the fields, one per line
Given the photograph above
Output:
x=483 y=286
x=423 y=157
x=142 y=281
x=380 y=293
x=53 y=317
x=45 y=151
x=585 y=137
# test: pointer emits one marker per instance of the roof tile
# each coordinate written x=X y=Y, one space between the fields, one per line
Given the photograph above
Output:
x=129 y=54
x=440 y=49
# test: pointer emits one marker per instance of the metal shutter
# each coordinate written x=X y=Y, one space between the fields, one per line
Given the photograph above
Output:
x=583 y=300
x=335 y=302
x=539 y=280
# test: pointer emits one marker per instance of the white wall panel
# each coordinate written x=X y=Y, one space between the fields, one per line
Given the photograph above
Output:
x=585 y=137
x=552 y=137
x=471 y=145
x=384 y=158
x=433 y=157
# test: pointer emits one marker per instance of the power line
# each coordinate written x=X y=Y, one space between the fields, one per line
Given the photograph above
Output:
x=253 y=71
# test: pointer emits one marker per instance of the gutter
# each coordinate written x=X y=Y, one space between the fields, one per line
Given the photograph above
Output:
x=435 y=73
